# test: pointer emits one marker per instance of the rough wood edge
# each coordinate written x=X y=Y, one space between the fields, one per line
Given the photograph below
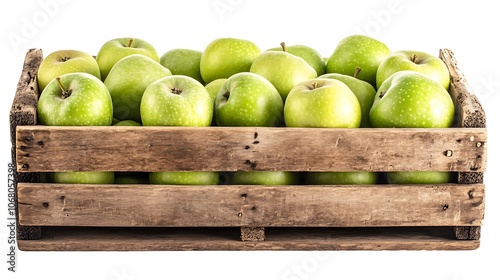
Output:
x=470 y=113
x=253 y=233
x=23 y=112
x=199 y=239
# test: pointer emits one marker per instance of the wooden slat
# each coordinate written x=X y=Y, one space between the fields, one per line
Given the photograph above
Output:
x=162 y=239
x=254 y=206
x=43 y=148
x=23 y=112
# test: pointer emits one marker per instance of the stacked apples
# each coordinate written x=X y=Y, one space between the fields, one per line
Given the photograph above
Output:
x=233 y=83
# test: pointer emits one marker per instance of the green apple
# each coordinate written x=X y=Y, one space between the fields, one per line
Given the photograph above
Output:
x=176 y=100
x=417 y=61
x=114 y=50
x=214 y=87
x=183 y=62
x=131 y=178
x=63 y=62
x=75 y=99
x=127 y=81
x=87 y=177
x=410 y=99
x=358 y=51
x=322 y=103
x=268 y=178
x=284 y=70
x=184 y=178
x=247 y=99
x=225 y=57
x=340 y=178
x=127 y=123
x=310 y=55
x=364 y=91
x=418 y=177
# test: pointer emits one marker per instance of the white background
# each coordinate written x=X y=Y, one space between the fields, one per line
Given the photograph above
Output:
x=470 y=30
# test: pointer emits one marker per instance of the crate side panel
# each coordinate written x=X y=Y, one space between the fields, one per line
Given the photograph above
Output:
x=231 y=149
x=251 y=206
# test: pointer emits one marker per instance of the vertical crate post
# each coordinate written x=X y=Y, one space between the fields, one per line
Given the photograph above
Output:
x=469 y=114
x=23 y=112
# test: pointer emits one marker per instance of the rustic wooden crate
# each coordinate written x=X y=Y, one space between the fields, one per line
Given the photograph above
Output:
x=152 y=217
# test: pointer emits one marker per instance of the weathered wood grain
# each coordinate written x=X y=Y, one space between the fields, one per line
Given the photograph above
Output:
x=469 y=113
x=161 y=239
x=250 y=206
x=44 y=148
x=23 y=112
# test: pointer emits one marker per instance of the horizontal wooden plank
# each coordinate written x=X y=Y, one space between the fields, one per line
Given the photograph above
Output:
x=162 y=239
x=42 y=148
x=254 y=206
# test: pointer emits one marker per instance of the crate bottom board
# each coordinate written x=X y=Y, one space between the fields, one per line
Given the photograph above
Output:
x=181 y=239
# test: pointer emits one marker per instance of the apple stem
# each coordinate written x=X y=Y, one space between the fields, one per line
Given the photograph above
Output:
x=414 y=58
x=64 y=58
x=356 y=72
x=382 y=93
x=315 y=85
x=130 y=42
x=283 y=46
x=65 y=93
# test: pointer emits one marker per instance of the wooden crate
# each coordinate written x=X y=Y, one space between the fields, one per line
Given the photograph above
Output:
x=153 y=217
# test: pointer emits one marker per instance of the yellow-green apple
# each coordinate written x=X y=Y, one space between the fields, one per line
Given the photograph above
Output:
x=340 y=178
x=310 y=55
x=410 y=99
x=114 y=50
x=224 y=57
x=127 y=81
x=284 y=70
x=63 y=62
x=214 y=87
x=322 y=102
x=247 y=99
x=358 y=51
x=176 y=100
x=75 y=99
x=364 y=91
x=268 y=178
x=417 y=61
x=86 y=177
x=183 y=62
x=184 y=178
x=419 y=177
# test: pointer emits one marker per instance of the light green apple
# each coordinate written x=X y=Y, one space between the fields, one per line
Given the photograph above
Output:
x=184 y=178
x=64 y=62
x=358 y=51
x=364 y=91
x=214 y=87
x=247 y=99
x=409 y=99
x=127 y=81
x=417 y=61
x=78 y=99
x=340 y=178
x=127 y=123
x=224 y=57
x=310 y=55
x=418 y=177
x=322 y=102
x=114 y=50
x=268 y=178
x=284 y=70
x=86 y=177
x=176 y=100
x=183 y=62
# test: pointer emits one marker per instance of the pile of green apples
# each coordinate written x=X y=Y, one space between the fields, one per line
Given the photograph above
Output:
x=233 y=83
